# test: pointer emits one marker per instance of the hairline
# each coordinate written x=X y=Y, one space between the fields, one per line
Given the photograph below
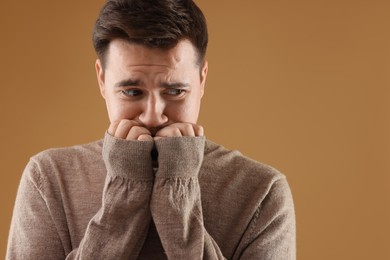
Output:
x=199 y=60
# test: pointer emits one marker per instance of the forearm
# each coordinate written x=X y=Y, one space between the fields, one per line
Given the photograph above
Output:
x=41 y=227
x=119 y=229
x=176 y=200
x=177 y=213
x=178 y=217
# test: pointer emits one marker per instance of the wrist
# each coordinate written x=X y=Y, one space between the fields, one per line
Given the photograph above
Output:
x=180 y=156
x=128 y=159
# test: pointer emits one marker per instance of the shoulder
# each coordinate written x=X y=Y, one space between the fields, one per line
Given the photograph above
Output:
x=82 y=150
x=233 y=161
x=225 y=170
x=69 y=156
x=57 y=163
x=242 y=193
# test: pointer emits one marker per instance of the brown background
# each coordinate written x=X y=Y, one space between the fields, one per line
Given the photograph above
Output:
x=300 y=85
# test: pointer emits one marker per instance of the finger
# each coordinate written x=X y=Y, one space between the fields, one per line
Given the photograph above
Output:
x=198 y=129
x=136 y=131
x=186 y=129
x=145 y=138
x=124 y=127
x=113 y=126
x=169 y=131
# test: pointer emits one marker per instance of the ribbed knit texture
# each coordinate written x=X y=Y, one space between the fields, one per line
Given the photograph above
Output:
x=103 y=201
x=134 y=163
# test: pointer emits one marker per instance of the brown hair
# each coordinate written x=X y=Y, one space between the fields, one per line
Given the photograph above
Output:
x=153 y=23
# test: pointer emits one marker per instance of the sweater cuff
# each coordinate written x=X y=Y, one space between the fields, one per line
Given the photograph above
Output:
x=128 y=159
x=180 y=156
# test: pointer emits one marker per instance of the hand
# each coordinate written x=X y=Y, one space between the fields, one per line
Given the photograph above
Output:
x=180 y=129
x=129 y=130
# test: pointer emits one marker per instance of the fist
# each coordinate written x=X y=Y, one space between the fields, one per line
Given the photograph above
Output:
x=129 y=130
x=179 y=129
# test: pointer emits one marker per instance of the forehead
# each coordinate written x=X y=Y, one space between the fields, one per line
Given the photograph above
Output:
x=123 y=53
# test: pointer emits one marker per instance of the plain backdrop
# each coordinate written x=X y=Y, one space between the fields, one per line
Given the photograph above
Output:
x=301 y=85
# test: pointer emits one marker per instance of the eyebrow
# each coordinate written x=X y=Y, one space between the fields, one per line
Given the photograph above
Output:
x=174 y=85
x=127 y=83
x=136 y=83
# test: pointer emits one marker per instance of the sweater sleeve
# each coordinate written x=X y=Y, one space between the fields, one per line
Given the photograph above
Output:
x=271 y=234
x=118 y=229
x=33 y=233
x=176 y=200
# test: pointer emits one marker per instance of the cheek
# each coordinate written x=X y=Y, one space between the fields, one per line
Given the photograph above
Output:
x=119 y=109
x=183 y=112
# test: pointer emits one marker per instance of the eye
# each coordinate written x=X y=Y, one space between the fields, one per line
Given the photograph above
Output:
x=132 y=92
x=174 y=91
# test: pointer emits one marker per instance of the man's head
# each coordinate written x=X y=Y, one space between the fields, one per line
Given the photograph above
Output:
x=155 y=24
x=150 y=54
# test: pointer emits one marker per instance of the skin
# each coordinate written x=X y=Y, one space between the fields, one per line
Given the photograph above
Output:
x=152 y=93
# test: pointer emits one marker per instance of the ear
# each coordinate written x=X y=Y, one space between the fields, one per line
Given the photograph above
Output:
x=203 y=76
x=100 y=77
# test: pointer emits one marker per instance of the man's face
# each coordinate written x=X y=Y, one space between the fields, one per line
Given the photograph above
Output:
x=152 y=86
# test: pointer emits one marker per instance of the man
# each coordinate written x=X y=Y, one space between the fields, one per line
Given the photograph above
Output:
x=154 y=187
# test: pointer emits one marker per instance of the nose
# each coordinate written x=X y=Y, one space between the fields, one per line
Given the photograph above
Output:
x=152 y=114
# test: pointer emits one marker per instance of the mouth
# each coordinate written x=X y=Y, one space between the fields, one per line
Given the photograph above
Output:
x=154 y=130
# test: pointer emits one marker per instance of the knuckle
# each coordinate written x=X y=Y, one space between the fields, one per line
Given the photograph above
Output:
x=115 y=123
x=138 y=129
x=126 y=122
x=177 y=132
x=199 y=131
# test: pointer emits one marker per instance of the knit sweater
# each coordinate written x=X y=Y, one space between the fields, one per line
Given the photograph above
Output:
x=104 y=200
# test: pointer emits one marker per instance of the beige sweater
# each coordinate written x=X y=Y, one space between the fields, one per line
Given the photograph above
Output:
x=103 y=200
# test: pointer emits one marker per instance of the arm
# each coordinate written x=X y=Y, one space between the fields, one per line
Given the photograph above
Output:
x=177 y=211
x=176 y=200
x=119 y=229
x=271 y=233
x=116 y=231
x=33 y=232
